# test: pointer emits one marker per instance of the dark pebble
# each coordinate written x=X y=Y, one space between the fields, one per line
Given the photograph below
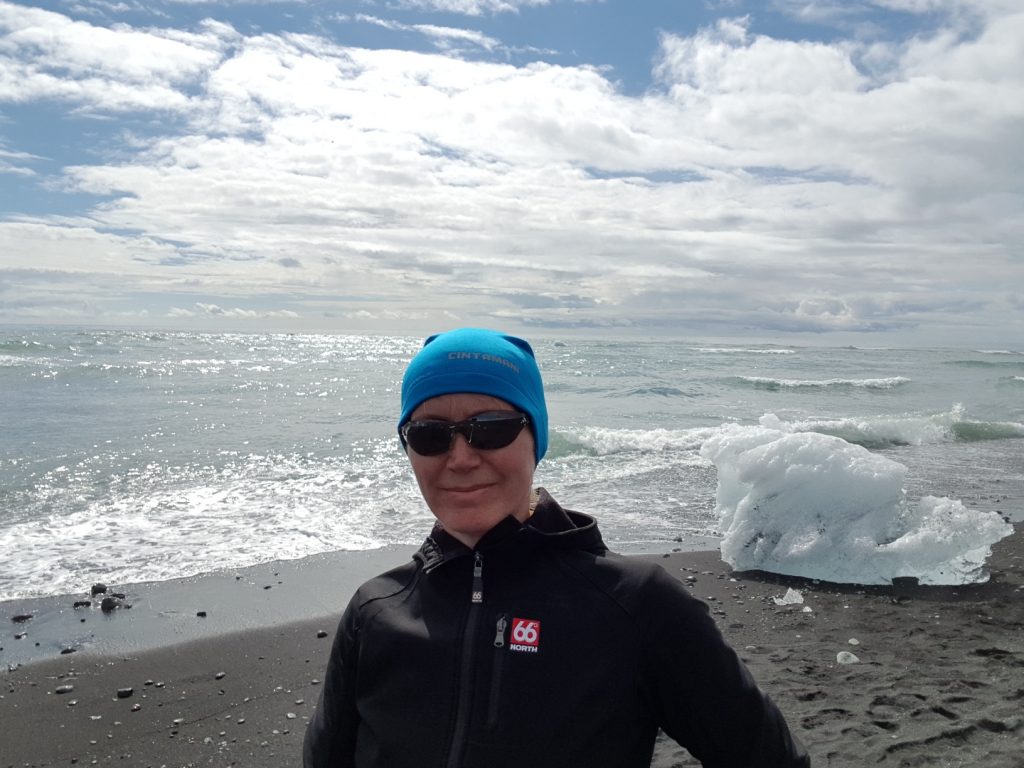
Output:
x=125 y=693
x=64 y=689
x=201 y=614
x=110 y=604
x=904 y=581
x=321 y=634
x=66 y=651
x=21 y=618
x=99 y=589
x=19 y=635
x=118 y=595
x=83 y=603
x=219 y=676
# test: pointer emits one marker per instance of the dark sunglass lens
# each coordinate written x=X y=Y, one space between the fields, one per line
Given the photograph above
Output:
x=496 y=433
x=428 y=439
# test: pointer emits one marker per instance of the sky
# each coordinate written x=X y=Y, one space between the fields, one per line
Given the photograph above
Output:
x=828 y=172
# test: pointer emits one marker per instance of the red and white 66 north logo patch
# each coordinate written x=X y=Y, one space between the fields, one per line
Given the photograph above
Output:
x=525 y=635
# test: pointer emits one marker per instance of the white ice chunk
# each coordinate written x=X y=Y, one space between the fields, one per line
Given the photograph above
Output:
x=813 y=505
x=845 y=657
x=792 y=597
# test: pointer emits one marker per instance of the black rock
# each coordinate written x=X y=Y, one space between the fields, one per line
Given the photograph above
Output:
x=125 y=693
x=66 y=651
x=201 y=614
x=110 y=604
x=99 y=589
x=83 y=603
x=904 y=581
x=321 y=634
x=21 y=618
x=118 y=595
x=64 y=689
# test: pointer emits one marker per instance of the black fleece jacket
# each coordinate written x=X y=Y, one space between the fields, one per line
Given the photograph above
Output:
x=538 y=648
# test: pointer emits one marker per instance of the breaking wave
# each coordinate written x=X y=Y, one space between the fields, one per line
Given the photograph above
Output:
x=775 y=385
x=911 y=429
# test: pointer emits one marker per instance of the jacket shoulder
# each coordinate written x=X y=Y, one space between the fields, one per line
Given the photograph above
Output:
x=636 y=585
x=388 y=584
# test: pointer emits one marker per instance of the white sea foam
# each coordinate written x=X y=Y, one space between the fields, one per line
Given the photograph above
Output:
x=164 y=523
x=812 y=505
x=603 y=441
x=911 y=429
x=739 y=351
x=882 y=383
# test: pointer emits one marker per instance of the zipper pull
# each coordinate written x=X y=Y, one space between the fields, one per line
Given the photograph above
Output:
x=499 y=637
x=478 y=578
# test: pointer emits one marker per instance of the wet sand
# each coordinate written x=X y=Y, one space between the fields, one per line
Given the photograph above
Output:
x=939 y=679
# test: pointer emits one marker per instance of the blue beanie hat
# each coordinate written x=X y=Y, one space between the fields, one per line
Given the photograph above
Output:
x=481 y=362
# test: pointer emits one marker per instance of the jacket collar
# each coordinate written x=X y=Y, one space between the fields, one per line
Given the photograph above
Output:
x=549 y=526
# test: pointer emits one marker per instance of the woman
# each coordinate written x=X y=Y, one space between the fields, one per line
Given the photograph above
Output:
x=515 y=638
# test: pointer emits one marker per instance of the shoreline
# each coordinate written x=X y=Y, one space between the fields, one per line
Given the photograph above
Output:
x=157 y=614
x=937 y=680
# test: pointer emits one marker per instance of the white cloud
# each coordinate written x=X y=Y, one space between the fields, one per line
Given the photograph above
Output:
x=237 y=313
x=445 y=38
x=16 y=163
x=766 y=183
x=470 y=7
x=726 y=60
x=46 y=55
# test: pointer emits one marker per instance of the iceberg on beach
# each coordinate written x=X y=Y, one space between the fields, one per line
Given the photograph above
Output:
x=813 y=505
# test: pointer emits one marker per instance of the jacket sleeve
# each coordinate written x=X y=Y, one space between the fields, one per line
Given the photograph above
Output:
x=703 y=695
x=331 y=735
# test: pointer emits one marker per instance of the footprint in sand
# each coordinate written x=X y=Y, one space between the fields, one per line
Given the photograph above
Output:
x=812 y=695
x=824 y=717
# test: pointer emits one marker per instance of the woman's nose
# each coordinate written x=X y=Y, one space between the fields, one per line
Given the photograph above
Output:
x=461 y=453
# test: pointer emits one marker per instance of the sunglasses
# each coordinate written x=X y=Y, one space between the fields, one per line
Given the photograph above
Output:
x=488 y=431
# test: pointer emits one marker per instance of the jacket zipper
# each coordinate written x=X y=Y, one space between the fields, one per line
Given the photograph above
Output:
x=499 y=658
x=462 y=707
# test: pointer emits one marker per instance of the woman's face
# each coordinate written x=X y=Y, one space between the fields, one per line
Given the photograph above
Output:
x=470 y=490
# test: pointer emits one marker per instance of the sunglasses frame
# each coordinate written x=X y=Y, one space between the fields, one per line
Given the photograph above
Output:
x=466 y=428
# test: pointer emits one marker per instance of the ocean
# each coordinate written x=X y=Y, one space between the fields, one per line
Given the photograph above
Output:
x=129 y=456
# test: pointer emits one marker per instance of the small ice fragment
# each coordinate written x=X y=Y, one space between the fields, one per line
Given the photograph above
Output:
x=792 y=597
x=845 y=657
x=853 y=641
x=807 y=609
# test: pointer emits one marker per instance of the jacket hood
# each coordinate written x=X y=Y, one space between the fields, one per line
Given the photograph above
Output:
x=550 y=525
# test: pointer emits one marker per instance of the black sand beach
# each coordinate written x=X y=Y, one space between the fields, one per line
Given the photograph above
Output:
x=938 y=681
